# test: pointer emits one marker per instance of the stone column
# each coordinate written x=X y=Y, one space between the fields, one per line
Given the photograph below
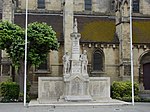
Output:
x=123 y=33
x=67 y=24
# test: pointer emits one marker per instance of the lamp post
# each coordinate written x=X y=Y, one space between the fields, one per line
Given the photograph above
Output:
x=25 y=61
x=131 y=53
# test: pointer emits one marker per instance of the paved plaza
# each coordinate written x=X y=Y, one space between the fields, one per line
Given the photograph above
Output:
x=18 y=107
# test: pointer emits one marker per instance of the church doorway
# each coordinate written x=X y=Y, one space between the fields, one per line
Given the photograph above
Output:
x=144 y=70
x=146 y=76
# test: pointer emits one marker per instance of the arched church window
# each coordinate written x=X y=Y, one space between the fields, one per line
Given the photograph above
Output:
x=135 y=6
x=98 y=61
x=88 y=5
x=41 y=4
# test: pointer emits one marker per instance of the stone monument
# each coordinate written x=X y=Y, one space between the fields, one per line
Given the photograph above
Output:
x=75 y=74
x=75 y=85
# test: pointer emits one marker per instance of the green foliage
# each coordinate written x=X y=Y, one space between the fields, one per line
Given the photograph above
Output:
x=12 y=40
x=9 y=91
x=123 y=90
x=41 y=39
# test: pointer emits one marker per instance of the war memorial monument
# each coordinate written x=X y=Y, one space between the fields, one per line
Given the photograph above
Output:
x=75 y=86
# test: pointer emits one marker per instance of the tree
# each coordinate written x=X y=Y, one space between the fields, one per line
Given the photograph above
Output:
x=12 y=41
x=41 y=39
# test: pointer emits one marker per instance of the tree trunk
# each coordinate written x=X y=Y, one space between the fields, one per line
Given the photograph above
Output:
x=13 y=73
x=21 y=76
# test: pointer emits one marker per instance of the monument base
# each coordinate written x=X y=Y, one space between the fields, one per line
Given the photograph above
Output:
x=51 y=89
x=103 y=102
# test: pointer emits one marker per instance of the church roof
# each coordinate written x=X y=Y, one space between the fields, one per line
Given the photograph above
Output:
x=97 y=29
x=92 y=29
x=55 y=21
x=141 y=31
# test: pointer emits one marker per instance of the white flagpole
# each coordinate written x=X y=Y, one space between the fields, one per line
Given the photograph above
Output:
x=132 y=77
x=25 y=61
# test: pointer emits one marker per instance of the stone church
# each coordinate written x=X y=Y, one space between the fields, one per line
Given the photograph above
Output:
x=105 y=34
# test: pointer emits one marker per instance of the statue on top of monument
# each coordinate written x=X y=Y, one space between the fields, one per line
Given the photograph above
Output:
x=75 y=26
x=84 y=62
x=66 y=62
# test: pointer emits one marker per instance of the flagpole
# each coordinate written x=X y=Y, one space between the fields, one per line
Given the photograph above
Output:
x=25 y=61
x=131 y=53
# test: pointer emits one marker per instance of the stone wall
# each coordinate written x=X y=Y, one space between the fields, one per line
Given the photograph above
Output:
x=53 y=5
x=102 y=6
x=8 y=10
x=78 y=5
x=111 y=53
x=0 y=5
x=55 y=64
x=145 y=7
x=32 y=4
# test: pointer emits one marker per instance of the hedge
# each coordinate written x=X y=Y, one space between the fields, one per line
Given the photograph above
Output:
x=122 y=90
x=9 y=91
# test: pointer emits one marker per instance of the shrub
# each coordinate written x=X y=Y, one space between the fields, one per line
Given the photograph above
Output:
x=9 y=91
x=123 y=91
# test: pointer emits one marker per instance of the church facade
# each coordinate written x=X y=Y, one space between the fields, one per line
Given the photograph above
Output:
x=105 y=34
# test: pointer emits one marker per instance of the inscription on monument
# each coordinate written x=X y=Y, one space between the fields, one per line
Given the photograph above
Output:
x=76 y=87
x=75 y=46
x=45 y=92
x=76 y=67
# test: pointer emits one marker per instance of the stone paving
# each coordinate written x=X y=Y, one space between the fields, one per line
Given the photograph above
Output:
x=18 y=107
